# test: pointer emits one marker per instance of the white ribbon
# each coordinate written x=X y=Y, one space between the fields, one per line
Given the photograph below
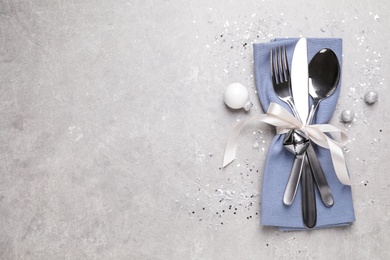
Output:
x=284 y=121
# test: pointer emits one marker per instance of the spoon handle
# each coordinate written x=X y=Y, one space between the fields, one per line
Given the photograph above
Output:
x=309 y=207
x=319 y=177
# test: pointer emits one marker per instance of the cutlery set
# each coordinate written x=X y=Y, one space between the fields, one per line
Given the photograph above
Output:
x=317 y=80
x=301 y=75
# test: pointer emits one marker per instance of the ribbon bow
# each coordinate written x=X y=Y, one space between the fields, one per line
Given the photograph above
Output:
x=284 y=121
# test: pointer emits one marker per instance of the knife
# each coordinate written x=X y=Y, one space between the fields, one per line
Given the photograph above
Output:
x=300 y=79
x=300 y=92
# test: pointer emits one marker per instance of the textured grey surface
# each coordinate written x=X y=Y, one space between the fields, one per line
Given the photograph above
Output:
x=112 y=129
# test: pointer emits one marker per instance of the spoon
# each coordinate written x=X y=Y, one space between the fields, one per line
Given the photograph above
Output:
x=324 y=74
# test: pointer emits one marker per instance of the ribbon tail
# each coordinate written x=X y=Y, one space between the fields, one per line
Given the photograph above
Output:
x=342 y=135
x=276 y=116
x=316 y=133
x=339 y=163
x=231 y=144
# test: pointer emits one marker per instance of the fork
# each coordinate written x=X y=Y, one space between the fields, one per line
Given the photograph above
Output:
x=280 y=74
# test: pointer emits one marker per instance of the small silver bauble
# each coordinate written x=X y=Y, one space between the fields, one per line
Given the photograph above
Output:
x=347 y=116
x=371 y=97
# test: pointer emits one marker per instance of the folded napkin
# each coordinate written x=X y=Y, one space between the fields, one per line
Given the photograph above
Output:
x=279 y=161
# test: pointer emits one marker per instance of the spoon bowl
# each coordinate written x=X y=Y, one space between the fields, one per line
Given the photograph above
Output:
x=324 y=75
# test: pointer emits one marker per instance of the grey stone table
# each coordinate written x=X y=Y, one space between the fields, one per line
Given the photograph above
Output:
x=112 y=129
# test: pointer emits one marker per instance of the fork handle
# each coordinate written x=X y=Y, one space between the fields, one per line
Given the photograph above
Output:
x=293 y=180
x=291 y=104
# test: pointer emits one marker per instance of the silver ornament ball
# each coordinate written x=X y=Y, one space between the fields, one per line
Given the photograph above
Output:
x=236 y=96
x=347 y=116
x=371 y=97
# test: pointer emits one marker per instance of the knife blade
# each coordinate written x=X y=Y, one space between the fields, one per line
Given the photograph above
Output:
x=300 y=79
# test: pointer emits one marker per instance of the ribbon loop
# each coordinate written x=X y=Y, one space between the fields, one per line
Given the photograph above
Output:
x=284 y=122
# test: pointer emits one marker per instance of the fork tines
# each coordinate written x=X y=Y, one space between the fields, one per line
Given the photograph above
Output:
x=279 y=65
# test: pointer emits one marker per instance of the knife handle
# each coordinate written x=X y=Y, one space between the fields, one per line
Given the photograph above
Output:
x=309 y=207
x=319 y=177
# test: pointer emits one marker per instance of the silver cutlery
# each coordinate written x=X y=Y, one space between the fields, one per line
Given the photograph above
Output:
x=295 y=141
x=324 y=76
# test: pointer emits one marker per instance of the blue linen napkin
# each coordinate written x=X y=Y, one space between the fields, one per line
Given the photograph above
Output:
x=279 y=161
